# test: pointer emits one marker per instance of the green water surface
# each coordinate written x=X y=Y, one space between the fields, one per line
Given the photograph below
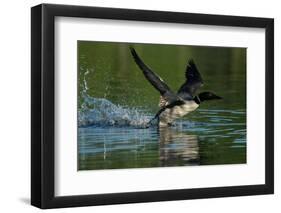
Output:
x=213 y=134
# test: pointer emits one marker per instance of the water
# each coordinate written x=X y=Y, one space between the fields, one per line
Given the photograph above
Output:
x=116 y=102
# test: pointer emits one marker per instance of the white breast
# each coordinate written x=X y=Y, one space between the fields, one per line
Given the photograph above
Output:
x=170 y=114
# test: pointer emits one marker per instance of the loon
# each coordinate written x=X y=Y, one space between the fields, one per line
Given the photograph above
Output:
x=175 y=105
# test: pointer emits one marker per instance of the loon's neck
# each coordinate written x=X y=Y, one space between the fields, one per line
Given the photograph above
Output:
x=197 y=99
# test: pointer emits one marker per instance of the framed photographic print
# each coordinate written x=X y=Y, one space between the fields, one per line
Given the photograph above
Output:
x=140 y=106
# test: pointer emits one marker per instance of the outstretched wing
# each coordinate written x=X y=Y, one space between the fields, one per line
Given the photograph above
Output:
x=154 y=79
x=193 y=81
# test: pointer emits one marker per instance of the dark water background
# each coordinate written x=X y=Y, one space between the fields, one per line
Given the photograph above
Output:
x=115 y=102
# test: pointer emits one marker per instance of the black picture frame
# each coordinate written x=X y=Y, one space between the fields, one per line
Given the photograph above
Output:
x=43 y=102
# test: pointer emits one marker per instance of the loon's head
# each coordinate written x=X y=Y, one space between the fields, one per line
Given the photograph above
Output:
x=206 y=96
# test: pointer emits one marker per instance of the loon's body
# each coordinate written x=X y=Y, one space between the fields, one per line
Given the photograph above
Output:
x=170 y=114
x=175 y=105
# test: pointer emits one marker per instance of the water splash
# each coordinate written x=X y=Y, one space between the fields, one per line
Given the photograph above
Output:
x=102 y=112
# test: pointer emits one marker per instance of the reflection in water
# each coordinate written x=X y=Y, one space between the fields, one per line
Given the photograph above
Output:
x=113 y=147
x=175 y=146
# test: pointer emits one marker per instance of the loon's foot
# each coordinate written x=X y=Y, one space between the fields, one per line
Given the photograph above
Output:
x=148 y=124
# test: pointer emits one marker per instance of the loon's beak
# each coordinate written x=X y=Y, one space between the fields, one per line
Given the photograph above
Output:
x=217 y=97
